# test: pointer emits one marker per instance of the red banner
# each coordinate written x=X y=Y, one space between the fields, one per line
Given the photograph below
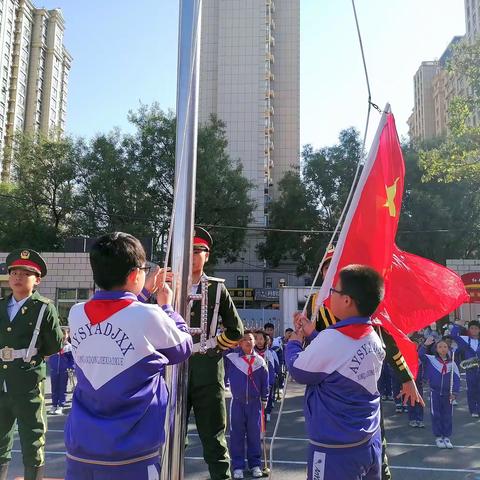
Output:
x=472 y=285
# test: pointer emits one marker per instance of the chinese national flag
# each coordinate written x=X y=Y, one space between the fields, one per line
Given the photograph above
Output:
x=417 y=291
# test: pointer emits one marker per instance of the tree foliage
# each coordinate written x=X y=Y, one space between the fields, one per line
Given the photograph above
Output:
x=312 y=199
x=117 y=181
x=438 y=220
x=458 y=156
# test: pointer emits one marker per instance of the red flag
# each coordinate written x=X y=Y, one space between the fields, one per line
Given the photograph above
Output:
x=417 y=291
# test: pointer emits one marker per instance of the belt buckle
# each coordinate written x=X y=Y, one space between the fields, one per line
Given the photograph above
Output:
x=6 y=354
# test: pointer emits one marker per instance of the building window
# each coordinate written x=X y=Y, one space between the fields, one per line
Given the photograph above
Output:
x=268 y=282
x=67 y=298
x=5 y=291
x=242 y=281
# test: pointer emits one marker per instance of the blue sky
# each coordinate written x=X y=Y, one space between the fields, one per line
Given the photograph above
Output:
x=126 y=53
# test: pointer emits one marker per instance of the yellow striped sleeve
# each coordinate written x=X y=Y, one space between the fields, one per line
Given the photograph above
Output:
x=397 y=356
x=224 y=342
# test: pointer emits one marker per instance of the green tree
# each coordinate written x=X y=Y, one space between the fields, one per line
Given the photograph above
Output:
x=439 y=220
x=312 y=199
x=126 y=182
x=221 y=192
x=43 y=192
x=458 y=155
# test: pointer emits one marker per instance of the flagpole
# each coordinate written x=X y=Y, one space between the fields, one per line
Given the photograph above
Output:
x=185 y=176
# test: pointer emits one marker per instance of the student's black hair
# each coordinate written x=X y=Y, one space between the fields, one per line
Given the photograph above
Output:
x=113 y=256
x=263 y=333
x=269 y=325
x=288 y=330
x=473 y=323
x=364 y=285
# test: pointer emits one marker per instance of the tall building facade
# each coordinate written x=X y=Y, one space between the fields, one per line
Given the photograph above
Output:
x=422 y=122
x=250 y=79
x=34 y=68
x=472 y=19
x=443 y=87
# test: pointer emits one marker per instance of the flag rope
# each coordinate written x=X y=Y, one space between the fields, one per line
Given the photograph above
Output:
x=340 y=220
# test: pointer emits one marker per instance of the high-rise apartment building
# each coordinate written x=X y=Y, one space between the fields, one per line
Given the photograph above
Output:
x=34 y=69
x=250 y=79
x=443 y=87
x=472 y=19
x=422 y=122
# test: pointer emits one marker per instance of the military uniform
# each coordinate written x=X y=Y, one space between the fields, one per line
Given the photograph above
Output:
x=206 y=392
x=22 y=375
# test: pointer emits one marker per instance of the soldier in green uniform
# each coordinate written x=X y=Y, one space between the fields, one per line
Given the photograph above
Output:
x=206 y=392
x=29 y=330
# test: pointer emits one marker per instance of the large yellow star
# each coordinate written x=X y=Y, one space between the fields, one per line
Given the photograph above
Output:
x=391 y=193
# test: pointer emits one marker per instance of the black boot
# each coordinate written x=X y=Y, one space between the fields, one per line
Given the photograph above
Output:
x=34 y=473
x=3 y=471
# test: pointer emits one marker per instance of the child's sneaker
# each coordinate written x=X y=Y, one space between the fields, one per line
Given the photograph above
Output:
x=405 y=408
x=59 y=411
x=238 y=474
x=52 y=411
x=420 y=424
x=447 y=442
x=256 y=472
x=384 y=398
x=413 y=423
x=454 y=402
x=398 y=409
x=475 y=415
x=440 y=443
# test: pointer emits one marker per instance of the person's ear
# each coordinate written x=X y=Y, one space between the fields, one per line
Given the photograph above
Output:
x=38 y=279
x=133 y=276
x=207 y=255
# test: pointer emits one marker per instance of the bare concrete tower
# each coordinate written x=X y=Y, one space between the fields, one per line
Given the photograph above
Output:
x=250 y=79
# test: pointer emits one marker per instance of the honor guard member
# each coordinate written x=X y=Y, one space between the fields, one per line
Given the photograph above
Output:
x=206 y=392
x=29 y=331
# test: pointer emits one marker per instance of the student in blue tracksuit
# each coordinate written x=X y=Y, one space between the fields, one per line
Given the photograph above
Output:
x=438 y=372
x=59 y=364
x=121 y=346
x=415 y=412
x=469 y=345
x=248 y=375
x=341 y=367
x=262 y=340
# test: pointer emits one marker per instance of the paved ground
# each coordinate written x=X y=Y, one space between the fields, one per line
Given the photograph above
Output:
x=411 y=450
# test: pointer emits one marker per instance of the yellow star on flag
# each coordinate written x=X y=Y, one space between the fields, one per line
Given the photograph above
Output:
x=391 y=193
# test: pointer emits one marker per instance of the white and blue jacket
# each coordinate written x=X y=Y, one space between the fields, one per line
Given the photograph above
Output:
x=469 y=346
x=120 y=347
x=439 y=374
x=247 y=382
x=341 y=368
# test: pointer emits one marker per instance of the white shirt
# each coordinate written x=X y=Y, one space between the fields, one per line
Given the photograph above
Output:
x=13 y=306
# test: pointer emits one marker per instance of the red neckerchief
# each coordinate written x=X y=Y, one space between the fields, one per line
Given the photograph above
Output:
x=444 y=365
x=250 y=361
x=99 y=310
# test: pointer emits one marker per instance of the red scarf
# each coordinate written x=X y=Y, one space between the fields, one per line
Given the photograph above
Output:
x=444 y=365
x=249 y=361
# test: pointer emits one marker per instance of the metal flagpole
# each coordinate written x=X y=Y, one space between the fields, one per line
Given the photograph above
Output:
x=185 y=176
